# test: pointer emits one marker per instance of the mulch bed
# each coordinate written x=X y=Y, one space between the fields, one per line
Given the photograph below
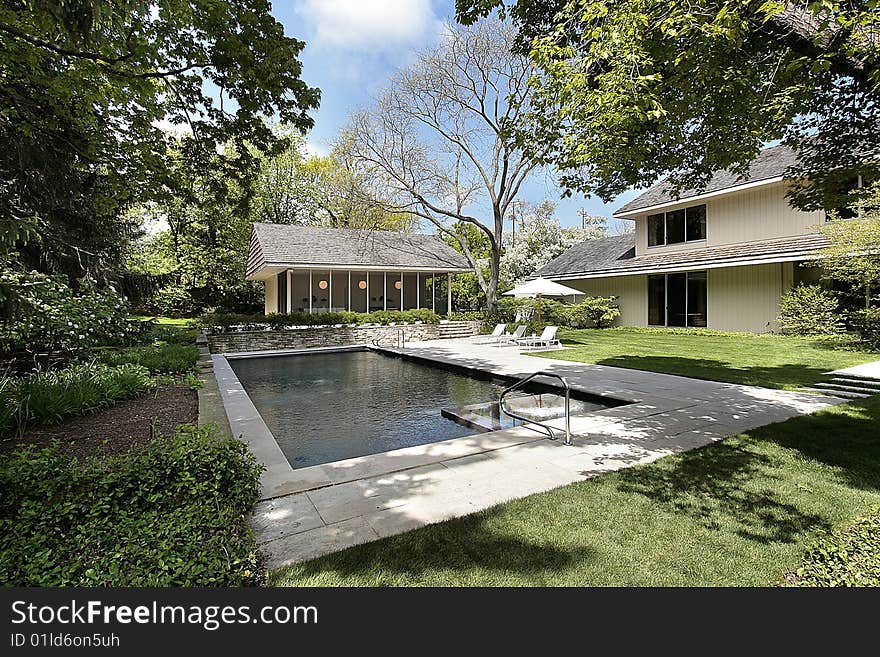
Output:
x=117 y=429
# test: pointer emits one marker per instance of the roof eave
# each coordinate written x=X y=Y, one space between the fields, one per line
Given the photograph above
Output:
x=687 y=266
x=635 y=212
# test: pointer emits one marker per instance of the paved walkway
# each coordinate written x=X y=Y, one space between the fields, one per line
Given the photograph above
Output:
x=865 y=371
x=321 y=509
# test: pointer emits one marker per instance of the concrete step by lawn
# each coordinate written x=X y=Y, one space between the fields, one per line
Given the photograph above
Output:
x=836 y=392
x=848 y=387
x=857 y=381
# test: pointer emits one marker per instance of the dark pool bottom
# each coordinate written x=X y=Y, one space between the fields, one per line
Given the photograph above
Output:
x=330 y=406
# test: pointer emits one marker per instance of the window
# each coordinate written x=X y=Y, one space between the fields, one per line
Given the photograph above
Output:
x=657 y=300
x=677 y=299
x=696 y=223
x=282 y=292
x=677 y=226
x=656 y=230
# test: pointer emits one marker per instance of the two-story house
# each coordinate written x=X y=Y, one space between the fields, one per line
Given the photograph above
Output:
x=718 y=258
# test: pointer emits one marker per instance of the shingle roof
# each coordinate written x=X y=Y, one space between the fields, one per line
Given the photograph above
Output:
x=592 y=258
x=599 y=254
x=283 y=245
x=770 y=163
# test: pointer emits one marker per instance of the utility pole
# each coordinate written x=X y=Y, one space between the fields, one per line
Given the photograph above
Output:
x=513 y=224
x=583 y=215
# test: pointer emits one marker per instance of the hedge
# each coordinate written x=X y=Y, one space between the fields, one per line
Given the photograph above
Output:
x=224 y=322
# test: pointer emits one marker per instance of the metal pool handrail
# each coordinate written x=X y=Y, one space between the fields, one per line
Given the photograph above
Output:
x=550 y=430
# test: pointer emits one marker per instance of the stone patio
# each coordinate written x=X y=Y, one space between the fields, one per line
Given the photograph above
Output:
x=316 y=510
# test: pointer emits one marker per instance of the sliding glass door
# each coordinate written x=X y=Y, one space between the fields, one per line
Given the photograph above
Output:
x=677 y=299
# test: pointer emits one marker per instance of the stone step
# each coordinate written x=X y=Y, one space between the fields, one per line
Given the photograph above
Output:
x=850 y=388
x=836 y=393
x=858 y=381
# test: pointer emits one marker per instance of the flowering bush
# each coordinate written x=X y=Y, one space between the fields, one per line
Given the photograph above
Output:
x=50 y=316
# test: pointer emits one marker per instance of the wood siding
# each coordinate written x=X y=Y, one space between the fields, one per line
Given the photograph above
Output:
x=632 y=293
x=271 y=288
x=747 y=298
x=738 y=298
x=747 y=216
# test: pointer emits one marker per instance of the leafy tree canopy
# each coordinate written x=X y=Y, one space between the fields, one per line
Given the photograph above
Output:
x=85 y=89
x=632 y=90
x=854 y=254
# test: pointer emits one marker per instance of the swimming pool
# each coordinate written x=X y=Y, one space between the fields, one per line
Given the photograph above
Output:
x=329 y=406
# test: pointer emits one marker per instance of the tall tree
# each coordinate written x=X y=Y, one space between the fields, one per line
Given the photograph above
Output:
x=632 y=90
x=293 y=188
x=440 y=143
x=85 y=87
x=540 y=238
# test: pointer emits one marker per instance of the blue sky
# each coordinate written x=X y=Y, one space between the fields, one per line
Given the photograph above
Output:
x=353 y=48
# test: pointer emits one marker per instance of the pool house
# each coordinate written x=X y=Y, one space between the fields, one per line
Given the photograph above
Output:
x=312 y=269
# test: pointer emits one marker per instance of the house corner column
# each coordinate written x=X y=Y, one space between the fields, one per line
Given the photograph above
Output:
x=448 y=293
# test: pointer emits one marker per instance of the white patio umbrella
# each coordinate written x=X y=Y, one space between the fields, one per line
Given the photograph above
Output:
x=542 y=287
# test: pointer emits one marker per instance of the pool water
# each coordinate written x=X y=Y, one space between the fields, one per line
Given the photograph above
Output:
x=332 y=406
x=329 y=406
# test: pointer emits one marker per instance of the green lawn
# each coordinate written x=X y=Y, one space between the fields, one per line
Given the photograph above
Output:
x=739 y=512
x=773 y=361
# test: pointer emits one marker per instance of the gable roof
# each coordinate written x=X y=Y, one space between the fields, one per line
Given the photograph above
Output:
x=599 y=254
x=593 y=259
x=770 y=164
x=280 y=245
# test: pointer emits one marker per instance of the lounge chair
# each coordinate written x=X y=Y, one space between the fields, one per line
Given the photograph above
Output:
x=494 y=335
x=511 y=338
x=546 y=339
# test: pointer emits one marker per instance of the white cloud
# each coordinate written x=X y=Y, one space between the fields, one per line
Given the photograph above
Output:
x=369 y=24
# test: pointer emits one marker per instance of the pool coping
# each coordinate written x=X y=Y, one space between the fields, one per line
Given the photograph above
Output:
x=279 y=478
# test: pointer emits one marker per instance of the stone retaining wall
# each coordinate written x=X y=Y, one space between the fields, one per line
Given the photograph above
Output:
x=333 y=336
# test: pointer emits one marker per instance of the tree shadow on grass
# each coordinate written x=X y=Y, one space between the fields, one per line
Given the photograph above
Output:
x=461 y=545
x=791 y=375
x=741 y=482
x=726 y=485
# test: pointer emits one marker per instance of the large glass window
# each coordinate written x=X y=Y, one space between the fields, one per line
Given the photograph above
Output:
x=677 y=226
x=281 y=287
x=656 y=229
x=677 y=299
x=696 y=299
x=696 y=223
x=657 y=300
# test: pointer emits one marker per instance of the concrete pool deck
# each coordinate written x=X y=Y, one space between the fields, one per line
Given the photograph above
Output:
x=320 y=509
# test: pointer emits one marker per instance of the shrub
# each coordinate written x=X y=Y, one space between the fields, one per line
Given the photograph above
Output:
x=158 y=359
x=224 y=322
x=849 y=557
x=808 y=310
x=49 y=396
x=467 y=316
x=867 y=325
x=600 y=312
x=173 y=514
